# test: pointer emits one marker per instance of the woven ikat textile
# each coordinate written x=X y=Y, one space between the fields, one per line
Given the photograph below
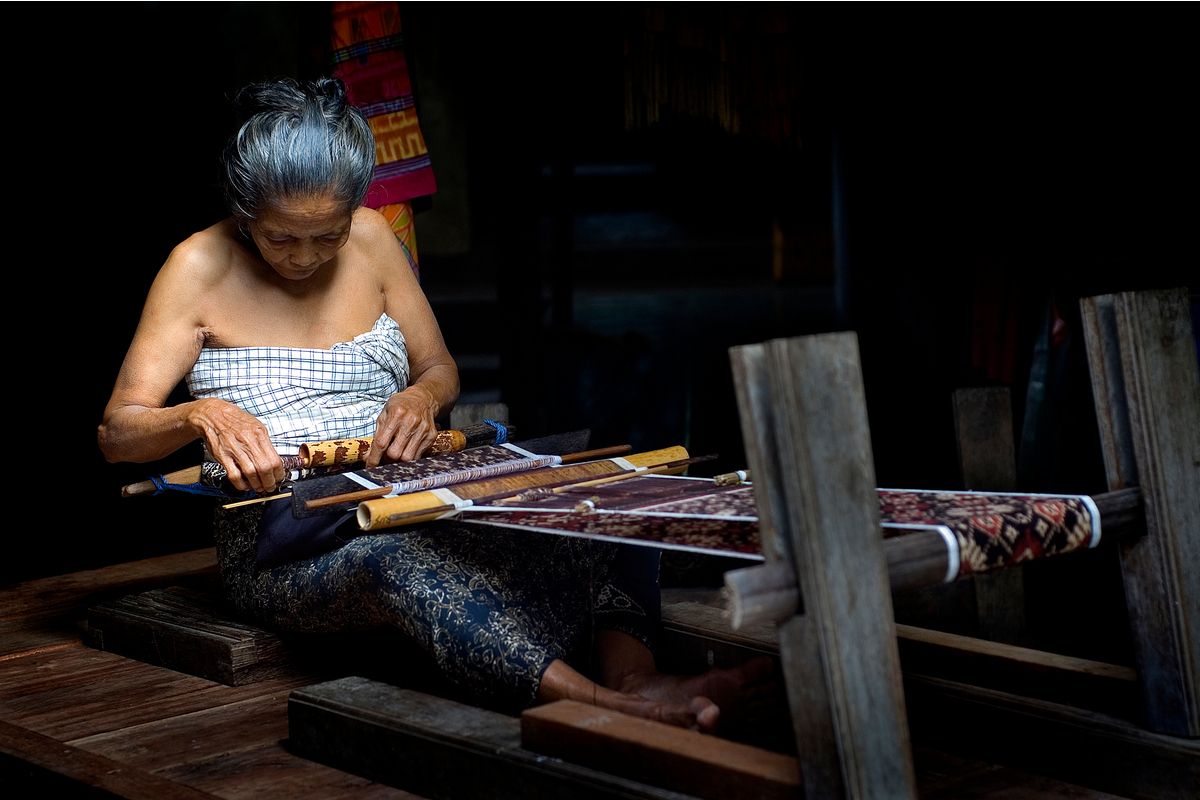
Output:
x=984 y=531
x=402 y=471
x=996 y=530
x=474 y=458
x=669 y=512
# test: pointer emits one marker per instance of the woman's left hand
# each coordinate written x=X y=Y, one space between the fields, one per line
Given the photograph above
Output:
x=405 y=429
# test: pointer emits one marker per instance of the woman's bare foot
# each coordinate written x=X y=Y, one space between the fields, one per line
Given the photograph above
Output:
x=561 y=682
x=730 y=693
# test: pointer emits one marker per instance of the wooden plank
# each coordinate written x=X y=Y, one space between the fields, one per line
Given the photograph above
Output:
x=1082 y=747
x=437 y=748
x=1151 y=406
x=1099 y=320
x=803 y=671
x=827 y=473
x=81 y=589
x=1016 y=655
x=657 y=753
x=232 y=750
x=51 y=759
x=274 y=772
x=190 y=632
x=183 y=739
x=984 y=432
x=77 y=692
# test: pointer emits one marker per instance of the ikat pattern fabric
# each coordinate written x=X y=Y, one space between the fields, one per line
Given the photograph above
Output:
x=733 y=501
x=649 y=491
x=307 y=395
x=996 y=530
x=992 y=531
x=492 y=607
x=430 y=467
x=474 y=458
x=675 y=532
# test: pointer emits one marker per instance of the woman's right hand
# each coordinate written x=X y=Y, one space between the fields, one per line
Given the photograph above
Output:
x=240 y=443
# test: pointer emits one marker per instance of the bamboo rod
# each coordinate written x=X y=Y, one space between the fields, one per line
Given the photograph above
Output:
x=375 y=514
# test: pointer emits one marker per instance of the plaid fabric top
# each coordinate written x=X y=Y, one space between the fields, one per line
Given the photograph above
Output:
x=305 y=395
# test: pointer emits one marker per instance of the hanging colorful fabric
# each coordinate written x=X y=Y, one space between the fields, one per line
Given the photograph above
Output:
x=368 y=56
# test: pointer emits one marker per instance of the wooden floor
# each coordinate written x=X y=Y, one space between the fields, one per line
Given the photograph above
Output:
x=92 y=724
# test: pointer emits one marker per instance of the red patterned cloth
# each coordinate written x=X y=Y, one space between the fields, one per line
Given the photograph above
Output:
x=368 y=55
x=995 y=530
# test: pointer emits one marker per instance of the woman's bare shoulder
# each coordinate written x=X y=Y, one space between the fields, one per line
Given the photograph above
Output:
x=205 y=255
x=372 y=232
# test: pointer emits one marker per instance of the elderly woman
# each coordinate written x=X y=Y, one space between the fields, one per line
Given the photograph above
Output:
x=298 y=319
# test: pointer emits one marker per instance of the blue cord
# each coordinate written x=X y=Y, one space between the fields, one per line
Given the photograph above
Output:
x=161 y=485
x=501 y=431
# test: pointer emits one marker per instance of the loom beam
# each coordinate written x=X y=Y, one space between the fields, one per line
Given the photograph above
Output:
x=768 y=592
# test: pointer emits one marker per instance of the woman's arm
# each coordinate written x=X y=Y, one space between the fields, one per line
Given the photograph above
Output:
x=136 y=425
x=406 y=426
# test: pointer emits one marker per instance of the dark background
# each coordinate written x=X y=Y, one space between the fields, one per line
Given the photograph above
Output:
x=979 y=158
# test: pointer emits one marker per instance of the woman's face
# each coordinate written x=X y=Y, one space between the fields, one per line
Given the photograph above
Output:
x=297 y=236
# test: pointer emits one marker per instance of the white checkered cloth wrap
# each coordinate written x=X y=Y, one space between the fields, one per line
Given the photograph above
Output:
x=305 y=395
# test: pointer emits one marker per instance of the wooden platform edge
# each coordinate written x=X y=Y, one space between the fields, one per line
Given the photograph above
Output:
x=31 y=764
x=438 y=749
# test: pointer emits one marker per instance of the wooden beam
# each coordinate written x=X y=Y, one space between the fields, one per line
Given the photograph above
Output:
x=803 y=670
x=987 y=457
x=1146 y=388
x=659 y=754
x=826 y=471
x=190 y=632
x=767 y=593
x=436 y=748
x=33 y=765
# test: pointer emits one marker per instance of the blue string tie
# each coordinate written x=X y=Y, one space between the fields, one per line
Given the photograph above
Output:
x=501 y=431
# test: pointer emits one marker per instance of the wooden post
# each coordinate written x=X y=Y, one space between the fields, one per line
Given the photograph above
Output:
x=1146 y=387
x=813 y=409
x=987 y=455
x=801 y=663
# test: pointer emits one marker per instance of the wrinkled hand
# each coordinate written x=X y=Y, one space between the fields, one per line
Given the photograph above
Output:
x=405 y=429
x=242 y=445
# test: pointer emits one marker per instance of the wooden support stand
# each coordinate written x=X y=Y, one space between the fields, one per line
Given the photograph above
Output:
x=808 y=448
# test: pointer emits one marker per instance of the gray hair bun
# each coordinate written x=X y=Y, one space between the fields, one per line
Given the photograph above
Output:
x=296 y=142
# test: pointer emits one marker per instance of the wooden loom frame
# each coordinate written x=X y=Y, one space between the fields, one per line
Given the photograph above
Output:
x=804 y=422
